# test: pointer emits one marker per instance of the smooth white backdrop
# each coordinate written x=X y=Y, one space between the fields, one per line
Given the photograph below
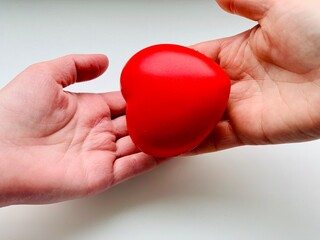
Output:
x=265 y=192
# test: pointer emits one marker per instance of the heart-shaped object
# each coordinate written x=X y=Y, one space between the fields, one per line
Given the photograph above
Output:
x=175 y=97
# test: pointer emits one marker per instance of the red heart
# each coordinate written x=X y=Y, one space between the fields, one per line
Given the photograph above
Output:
x=175 y=97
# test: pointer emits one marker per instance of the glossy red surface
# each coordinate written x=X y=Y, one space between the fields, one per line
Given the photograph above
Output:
x=175 y=97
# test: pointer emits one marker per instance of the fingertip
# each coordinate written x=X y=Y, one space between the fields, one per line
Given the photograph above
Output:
x=251 y=9
x=223 y=137
x=90 y=66
x=132 y=165
x=211 y=49
x=225 y=5
x=116 y=103
x=103 y=61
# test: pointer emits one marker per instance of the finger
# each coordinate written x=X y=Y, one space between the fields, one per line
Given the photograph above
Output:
x=223 y=137
x=120 y=126
x=252 y=9
x=77 y=68
x=219 y=49
x=125 y=147
x=211 y=48
x=132 y=165
x=116 y=103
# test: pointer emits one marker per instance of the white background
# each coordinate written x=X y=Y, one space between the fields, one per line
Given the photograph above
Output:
x=267 y=192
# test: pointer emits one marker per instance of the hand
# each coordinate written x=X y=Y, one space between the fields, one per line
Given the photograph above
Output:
x=275 y=74
x=57 y=145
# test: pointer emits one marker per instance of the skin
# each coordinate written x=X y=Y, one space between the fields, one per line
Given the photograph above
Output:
x=275 y=74
x=57 y=145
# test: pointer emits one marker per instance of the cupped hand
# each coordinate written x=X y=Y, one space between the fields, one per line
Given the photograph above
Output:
x=275 y=74
x=57 y=145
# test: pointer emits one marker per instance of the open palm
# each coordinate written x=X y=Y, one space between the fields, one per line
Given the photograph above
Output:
x=57 y=145
x=275 y=73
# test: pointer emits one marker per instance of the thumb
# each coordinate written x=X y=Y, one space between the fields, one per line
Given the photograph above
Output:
x=80 y=67
x=71 y=68
x=252 y=9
